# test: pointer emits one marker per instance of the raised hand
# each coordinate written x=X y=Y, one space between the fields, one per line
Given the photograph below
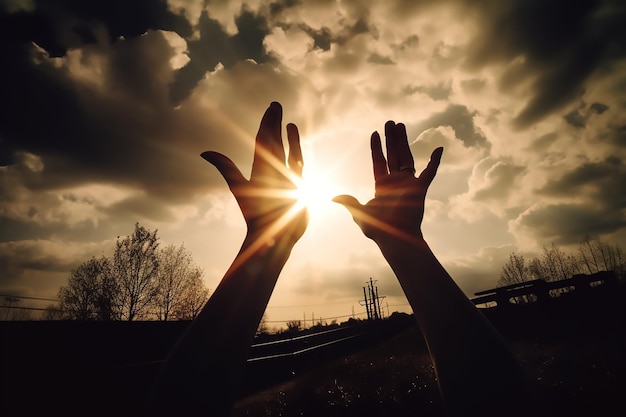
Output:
x=202 y=371
x=397 y=209
x=267 y=199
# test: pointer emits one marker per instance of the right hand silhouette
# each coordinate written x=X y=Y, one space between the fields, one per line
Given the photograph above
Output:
x=266 y=200
x=397 y=209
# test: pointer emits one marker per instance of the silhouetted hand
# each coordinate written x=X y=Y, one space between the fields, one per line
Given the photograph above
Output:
x=267 y=200
x=203 y=370
x=397 y=208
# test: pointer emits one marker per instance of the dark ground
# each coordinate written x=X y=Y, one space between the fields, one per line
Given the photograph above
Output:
x=572 y=352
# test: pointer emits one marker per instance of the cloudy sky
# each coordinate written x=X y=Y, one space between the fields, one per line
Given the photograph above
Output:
x=107 y=106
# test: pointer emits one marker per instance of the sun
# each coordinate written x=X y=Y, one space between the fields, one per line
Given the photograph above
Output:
x=315 y=191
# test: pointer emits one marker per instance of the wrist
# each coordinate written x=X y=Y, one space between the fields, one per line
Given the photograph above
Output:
x=402 y=243
x=264 y=245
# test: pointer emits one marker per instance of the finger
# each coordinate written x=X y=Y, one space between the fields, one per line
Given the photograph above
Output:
x=428 y=174
x=378 y=159
x=269 y=155
x=390 y=142
x=403 y=151
x=350 y=203
x=226 y=167
x=295 y=152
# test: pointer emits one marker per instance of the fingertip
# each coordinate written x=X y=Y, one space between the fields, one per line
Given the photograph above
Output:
x=340 y=198
x=208 y=156
x=437 y=153
x=389 y=126
x=346 y=200
x=292 y=128
x=375 y=142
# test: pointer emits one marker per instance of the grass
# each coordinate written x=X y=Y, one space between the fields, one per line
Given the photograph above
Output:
x=577 y=368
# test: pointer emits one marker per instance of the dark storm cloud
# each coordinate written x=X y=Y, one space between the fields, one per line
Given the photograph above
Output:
x=322 y=38
x=58 y=25
x=116 y=124
x=558 y=46
x=570 y=223
x=600 y=186
x=461 y=120
x=601 y=182
x=578 y=118
x=215 y=46
x=16 y=257
x=117 y=132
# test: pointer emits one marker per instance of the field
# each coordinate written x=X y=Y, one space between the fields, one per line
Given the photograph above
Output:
x=572 y=352
x=582 y=374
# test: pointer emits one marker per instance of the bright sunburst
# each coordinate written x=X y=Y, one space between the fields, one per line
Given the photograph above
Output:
x=315 y=191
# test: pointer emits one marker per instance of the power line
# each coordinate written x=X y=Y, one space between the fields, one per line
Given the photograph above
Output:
x=29 y=298
x=311 y=305
x=321 y=318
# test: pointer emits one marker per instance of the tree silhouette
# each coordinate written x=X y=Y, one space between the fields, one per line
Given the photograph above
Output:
x=91 y=292
x=135 y=265
x=192 y=298
x=140 y=281
x=180 y=290
x=594 y=255
x=597 y=255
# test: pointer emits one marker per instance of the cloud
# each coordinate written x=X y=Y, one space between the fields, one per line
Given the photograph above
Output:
x=566 y=223
x=440 y=91
x=478 y=271
x=586 y=203
x=214 y=45
x=578 y=118
x=60 y=26
x=43 y=257
x=108 y=105
x=494 y=186
x=558 y=48
x=461 y=120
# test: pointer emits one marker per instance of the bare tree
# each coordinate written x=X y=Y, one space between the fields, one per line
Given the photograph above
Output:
x=135 y=266
x=554 y=265
x=294 y=325
x=180 y=286
x=52 y=312
x=21 y=314
x=514 y=271
x=193 y=296
x=91 y=292
x=596 y=255
x=138 y=280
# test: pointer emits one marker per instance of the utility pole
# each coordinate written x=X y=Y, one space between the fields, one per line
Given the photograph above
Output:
x=371 y=300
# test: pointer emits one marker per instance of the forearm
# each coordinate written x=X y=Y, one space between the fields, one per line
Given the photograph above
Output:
x=201 y=373
x=476 y=371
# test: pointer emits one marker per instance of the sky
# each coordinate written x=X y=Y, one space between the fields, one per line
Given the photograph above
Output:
x=108 y=104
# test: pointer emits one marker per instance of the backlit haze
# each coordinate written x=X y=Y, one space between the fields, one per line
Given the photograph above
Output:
x=107 y=106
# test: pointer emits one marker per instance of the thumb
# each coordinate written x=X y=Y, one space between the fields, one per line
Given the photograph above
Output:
x=226 y=167
x=350 y=203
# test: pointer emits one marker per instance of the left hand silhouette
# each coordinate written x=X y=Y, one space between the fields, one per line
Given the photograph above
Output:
x=397 y=209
